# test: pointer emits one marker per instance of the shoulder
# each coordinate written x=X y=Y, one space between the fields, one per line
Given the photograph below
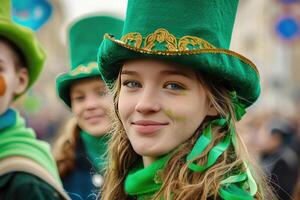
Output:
x=18 y=185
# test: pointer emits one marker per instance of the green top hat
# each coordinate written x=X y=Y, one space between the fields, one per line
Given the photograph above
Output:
x=24 y=39
x=194 y=33
x=85 y=36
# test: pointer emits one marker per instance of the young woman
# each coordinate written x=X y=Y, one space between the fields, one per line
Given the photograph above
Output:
x=178 y=92
x=80 y=148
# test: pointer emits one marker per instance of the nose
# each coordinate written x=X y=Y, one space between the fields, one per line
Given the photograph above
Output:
x=148 y=102
x=90 y=102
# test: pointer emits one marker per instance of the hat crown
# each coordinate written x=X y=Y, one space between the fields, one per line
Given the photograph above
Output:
x=5 y=9
x=179 y=18
x=85 y=36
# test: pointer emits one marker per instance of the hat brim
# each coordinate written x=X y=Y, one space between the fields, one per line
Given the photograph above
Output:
x=64 y=82
x=233 y=70
x=25 y=40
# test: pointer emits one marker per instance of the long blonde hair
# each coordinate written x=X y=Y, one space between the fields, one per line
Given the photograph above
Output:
x=64 y=147
x=179 y=182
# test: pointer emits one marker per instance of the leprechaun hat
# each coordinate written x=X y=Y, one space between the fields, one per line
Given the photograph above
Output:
x=24 y=39
x=85 y=36
x=193 y=33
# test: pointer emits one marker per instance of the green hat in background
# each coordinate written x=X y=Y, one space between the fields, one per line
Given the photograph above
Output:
x=24 y=39
x=193 y=33
x=85 y=36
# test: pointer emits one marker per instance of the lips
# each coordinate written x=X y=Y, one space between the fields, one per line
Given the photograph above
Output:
x=148 y=126
x=94 y=119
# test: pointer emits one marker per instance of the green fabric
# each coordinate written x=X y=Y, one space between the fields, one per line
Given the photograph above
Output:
x=85 y=36
x=18 y=140
x=23 y=38
x=229 y=190
x=95 y=147
x=211 y=21
x=201 y=144
x=144 y=182
x=20 y=186
x=239 y=108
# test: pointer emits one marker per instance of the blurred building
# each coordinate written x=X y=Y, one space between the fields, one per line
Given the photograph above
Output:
x=277 y=59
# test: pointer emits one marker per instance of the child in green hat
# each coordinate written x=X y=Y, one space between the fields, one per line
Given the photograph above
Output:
x=178 y=92
x=27 y=168
x=80 y=148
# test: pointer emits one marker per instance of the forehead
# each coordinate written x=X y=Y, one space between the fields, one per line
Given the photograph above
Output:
x=151 y=66
x=87 y=84
x=7 y=52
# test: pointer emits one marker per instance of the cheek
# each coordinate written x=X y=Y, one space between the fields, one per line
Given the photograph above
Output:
x=2 y=85
x=125 y=106
x=77 y=109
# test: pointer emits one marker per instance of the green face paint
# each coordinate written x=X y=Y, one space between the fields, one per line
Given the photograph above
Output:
x=170 y=114
x=2 y=85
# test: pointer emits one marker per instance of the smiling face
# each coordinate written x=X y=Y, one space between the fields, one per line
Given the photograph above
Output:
x=90 y=104
x=160 y=105
x=13 y=78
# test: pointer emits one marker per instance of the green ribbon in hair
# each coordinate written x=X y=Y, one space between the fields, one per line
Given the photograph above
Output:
x=239 y=108
x=234 y=187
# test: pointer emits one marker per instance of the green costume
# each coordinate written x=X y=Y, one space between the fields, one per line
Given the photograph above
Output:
x=27 y=168
x=95 y=147
x=195 y=34
x=17 y=142
x=85 y=36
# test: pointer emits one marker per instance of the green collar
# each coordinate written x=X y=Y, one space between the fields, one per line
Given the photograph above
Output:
x=142 y=182
x=95 y=147
x=18 y=140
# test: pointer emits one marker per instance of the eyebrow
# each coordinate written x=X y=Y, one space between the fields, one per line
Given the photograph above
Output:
x=164 y=72
x=128 y=72
x=176 y=72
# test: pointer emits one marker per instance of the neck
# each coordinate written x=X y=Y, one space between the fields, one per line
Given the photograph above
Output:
x=148 y=160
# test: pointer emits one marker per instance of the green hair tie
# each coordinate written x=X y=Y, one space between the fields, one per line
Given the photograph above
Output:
x=234 y=187
x=239 y=108
x=203 y=142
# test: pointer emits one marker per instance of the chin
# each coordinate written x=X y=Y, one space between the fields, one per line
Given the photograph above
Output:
x=97 y=131
x=143 y=151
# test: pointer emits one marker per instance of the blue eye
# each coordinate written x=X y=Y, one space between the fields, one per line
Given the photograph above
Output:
x=174 y=86
x=132 y=84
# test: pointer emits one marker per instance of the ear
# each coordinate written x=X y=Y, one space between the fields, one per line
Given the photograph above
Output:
x=212 y=111
x=22 y=81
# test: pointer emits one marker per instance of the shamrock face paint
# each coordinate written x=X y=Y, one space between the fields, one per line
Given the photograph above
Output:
x=171 y=114
x=160 y=105
x=2 y=85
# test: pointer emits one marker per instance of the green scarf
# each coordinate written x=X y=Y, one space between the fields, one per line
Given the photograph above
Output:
x=95 y=147
x=17 y=140
x=144 y=182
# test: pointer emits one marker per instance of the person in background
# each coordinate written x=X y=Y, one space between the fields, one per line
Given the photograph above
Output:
x=278 y=159
x=81 y=145
x=178 y=92
x=27 y=168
